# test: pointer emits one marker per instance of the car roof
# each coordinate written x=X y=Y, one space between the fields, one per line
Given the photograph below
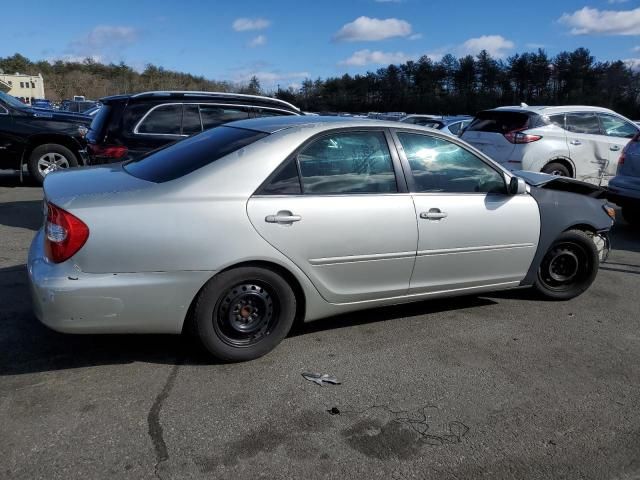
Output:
x=549 y=110
x=319 y=123
x=259 y=100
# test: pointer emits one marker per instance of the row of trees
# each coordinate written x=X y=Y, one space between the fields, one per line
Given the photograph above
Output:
x=448 y=86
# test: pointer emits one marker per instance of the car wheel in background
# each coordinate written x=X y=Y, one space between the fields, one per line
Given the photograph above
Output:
x=569 y=267
x=50 y=157
x=555 y=168
x=242 y=314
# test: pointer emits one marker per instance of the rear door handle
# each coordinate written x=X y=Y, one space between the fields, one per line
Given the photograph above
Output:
x=575 y=142
x=614 y=148
x=283 y=217
x=433 y=214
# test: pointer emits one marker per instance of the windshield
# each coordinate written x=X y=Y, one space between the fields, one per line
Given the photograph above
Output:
x=12 y=101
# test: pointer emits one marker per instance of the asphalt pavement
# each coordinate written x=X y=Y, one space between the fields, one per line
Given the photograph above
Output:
x=492 y=386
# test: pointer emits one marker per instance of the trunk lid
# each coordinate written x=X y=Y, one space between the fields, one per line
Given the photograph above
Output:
x=631 y=165
x=487 y=132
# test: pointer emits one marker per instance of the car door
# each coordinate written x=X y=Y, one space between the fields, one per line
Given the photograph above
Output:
x=338 y=209
x=588 y=148
x=10 y=144
x=618 y=132
x=471 y=233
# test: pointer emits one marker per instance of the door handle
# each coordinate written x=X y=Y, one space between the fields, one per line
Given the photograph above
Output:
x=433 y=214
x=614 y=148
x=283 y=217
x=575 y=142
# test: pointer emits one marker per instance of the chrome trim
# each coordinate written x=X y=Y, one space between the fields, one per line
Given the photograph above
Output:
x=6 y=111
x=483 y=248
x=360 y=258
x=219 y=94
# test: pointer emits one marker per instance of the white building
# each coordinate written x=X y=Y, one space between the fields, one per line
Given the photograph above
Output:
x=25 y=87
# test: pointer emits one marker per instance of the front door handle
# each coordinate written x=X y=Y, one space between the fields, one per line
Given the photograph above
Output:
x=433 y=214
x=575 y=142
x=614 y=148
x=283 y=217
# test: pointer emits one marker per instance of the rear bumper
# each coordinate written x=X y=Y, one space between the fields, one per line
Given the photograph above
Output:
x=71 y=301
x=624 y=189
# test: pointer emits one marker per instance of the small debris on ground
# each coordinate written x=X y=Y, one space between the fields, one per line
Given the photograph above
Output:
x=334 y=411
x=321 y=378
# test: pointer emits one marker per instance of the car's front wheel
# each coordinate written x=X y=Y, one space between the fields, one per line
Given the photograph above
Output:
x=49 y=157
x=569 y=267
x=242 y=314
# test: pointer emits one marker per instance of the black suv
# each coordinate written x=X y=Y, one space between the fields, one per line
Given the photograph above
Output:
x=44 y=140
x=128 y=126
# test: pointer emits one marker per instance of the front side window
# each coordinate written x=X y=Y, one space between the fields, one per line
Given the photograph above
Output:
x=162 y=120
x=214 y=115
x=440 y=166
x=585 y=123
x=613 y=126
x=348 y=162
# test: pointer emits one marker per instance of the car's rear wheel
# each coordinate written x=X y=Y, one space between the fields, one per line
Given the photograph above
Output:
x=556 y=168
x=242 y=314
x=569 y=267
x=48 y=158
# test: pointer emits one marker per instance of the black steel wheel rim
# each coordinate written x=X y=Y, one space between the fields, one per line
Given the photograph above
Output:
x=565 y=265
x=246 y=313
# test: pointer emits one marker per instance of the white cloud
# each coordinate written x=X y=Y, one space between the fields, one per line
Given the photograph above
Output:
x=415 y=36
x=247 y=24
x=591 y=21
x=257 y=41
x=636 y=49
x=613 y=2
x=633 y=63
x=109 y=38
x=75 y=58
x=372 y=29
x=368 y=57
x=495 y=45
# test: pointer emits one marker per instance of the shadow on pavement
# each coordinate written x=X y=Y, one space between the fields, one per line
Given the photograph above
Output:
x=22 y=214
x=27 y=346
x=12 y=179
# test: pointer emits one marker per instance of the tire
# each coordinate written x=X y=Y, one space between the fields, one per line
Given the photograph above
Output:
x=569 y=267
x=556 y=168
x=264 y=305
x=631 y=213
x=48 y=154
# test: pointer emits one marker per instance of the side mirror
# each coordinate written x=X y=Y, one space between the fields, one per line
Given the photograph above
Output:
x=517 y=186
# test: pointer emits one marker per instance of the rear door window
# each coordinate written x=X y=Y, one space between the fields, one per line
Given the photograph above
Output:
x=266 y=112
x=191 y=120
x=585 y=123
x=162 y=120
x=495 y=121
x=214 y=115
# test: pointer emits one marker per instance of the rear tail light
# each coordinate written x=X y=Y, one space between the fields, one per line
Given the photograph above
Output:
x=65 y=234
x=518 y=136
x=107 y=151
x=621 y=159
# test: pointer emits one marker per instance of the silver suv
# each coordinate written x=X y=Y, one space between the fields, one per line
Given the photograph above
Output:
x=574 y=141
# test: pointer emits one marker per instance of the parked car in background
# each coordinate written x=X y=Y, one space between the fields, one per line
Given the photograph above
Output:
x=92 y=112
x=573 y=141
x=42 y=103
x=77 y=106
x=236 y=232
x=624 y=188
x=44 y=140
x=453 y=125
x=128 y=126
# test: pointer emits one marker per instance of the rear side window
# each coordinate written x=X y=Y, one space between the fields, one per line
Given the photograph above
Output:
x=184 y=157
x=349 y=162
x=586 y=123
x=557 y=120
x=495 y=121
x=214 y=115
x=265 y=112
x=191 y=120
x=162 y=120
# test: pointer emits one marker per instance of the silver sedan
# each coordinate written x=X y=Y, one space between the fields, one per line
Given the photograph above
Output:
x=246 y=228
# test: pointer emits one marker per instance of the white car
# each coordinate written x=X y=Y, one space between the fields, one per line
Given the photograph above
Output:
x=573 y=141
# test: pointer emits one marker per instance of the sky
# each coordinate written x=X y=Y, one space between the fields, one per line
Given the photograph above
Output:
x=284 y=42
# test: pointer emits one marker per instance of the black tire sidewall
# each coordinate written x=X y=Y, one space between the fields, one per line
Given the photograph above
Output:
x=631 y=214
x=210 y=295
x=582 y=239
x=41 y=150
x=549 y=167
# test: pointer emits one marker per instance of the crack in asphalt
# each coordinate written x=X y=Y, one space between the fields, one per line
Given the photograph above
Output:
x=153 y=419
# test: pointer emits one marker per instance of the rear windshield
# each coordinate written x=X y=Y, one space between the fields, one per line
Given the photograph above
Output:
x=98 y=122
x=498 y=122
x=188 y=155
